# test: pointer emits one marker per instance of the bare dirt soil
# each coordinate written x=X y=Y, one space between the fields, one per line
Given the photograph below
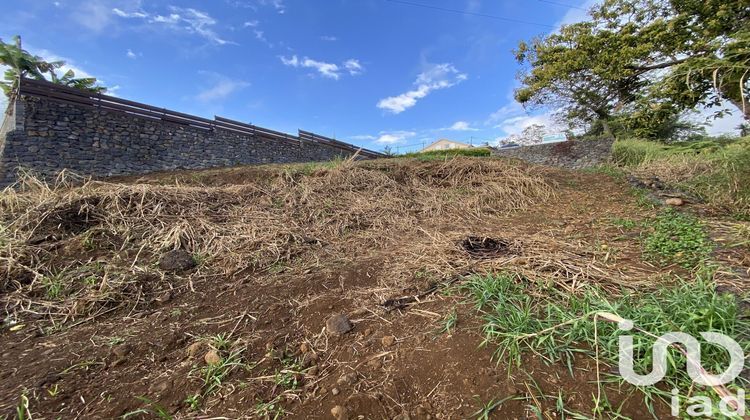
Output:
x=96 y=326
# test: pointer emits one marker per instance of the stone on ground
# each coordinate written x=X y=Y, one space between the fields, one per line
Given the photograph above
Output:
x=176 y=261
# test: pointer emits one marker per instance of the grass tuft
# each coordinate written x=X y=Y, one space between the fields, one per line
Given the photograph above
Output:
x=557 y=325
x=677 y=238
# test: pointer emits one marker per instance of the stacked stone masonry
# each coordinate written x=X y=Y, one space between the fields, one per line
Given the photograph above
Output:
x=569 y=154
x=47 y=136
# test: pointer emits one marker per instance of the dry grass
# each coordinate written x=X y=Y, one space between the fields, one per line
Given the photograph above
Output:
x=675 y=169
x=71 y=251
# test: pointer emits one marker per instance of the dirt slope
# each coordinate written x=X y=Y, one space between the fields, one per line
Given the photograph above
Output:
x=96 y=328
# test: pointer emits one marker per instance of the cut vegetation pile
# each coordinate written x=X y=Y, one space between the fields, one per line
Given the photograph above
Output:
x=399 y=287
x=233 y=229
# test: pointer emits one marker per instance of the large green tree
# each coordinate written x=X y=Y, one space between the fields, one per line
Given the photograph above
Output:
x=20 y=63
x=638 y=63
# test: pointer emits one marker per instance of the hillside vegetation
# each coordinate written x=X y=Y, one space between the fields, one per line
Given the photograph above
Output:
x=716 y=170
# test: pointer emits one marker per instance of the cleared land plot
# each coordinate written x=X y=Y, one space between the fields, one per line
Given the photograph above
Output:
x=447 y=271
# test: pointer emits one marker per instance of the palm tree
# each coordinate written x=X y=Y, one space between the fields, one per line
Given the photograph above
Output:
x=21 y=63
x=82 y=83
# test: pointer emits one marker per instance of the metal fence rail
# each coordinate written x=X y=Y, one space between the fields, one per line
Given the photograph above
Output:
x=70 y=95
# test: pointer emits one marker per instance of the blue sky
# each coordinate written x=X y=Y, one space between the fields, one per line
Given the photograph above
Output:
x=372 y=72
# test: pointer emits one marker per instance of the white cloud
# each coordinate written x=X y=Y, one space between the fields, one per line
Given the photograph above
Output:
x=69 y=64
x=575 y=15
x=188 y=20
x=460 y=126
x=260 y=35
x=436 y=77
x=394 y=136
x=254 y=4
x=353 y=66
x=130 y=54
x=511 y=109
x=134 y=14
x=92 y=14
x=328 y=38
x=221 y=88
x=516 y=125
x=363 y=137
x=277 y=4
x=329 y=70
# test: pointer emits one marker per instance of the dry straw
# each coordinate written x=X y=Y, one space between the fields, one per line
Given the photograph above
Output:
x=74 y=248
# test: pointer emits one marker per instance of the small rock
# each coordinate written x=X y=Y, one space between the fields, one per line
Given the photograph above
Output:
x=121 y=351
x=388 y=340
x=674 y=201
x=309 y=359
x=335 y=391
x=375 y=363
x=359 y=312
x=194 y=349
x=347 y=379
x=304 y=348
x=176 y=261
x=212 y=357
x=164 y=297
x=367 y=332
x=313 y=371
x=118 y=362
x=338 y=324
x=339 y=413
x=158 y=388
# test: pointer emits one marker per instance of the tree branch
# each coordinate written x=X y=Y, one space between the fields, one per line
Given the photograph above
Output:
x=660 y=65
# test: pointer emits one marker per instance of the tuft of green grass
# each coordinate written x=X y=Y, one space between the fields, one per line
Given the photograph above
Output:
x=288 y=376
x=270 y=410
x=193 y=402
x=88 y=241
x=219 y=342
x=213 y=375
x=200 y=258
x=557 y=325
x=22 y=409
x=606 y=169
x=623 y=223
x=449 y=322
x=485 y=409
x=449 y=153
x=677 y=238
x=644 y=199
x=151 y=409
x=54 y=285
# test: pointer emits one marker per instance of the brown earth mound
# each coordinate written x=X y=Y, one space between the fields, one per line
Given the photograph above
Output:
x=96 y=327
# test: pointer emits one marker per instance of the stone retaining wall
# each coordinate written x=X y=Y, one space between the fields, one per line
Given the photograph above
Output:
x=573 y=154
x=47 y=136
